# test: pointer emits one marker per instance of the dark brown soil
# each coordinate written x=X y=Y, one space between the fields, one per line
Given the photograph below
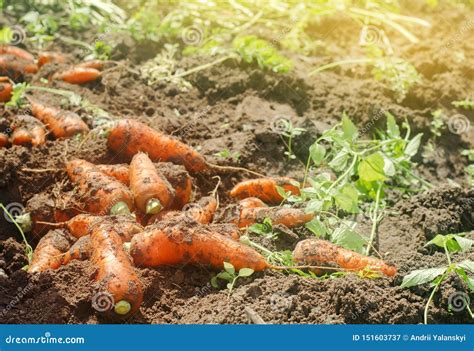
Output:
x=234 y=107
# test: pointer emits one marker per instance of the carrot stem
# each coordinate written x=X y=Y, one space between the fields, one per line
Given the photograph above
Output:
x=120 y=208
x=236 y=169
x=153 y=206
x=122 y=307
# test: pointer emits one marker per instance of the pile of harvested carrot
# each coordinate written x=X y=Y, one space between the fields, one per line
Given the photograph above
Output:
x=141 y=213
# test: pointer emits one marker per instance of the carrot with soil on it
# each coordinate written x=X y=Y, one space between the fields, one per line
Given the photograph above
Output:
x=128 y=137
x=61 y=123
x=176 y=175
x=289 y=217
x=50 y=57
x=317 y=251
x=203 y=210
x=28 y=131
x=78 y=75
x=6 y=89
x=3 y=140
x=99 y=192
x=188 y=243
x=114 y=271
x=151 y=190
x=265 y=189
x=15 y=68
x=16 y=51
x=252 y=202
x=49 y=251
x=81 y=250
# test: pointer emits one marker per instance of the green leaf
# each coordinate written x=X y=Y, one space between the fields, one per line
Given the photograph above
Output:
x=392 y=128
x=245 y=272
x=317 y=153
x=339 y=162
x=349 y=129
x=281 y=192
x=413 y=145
x=229 y=268
x=372 y=168
x=463 y=275
x=422 y=276
x=348 y=238
x=347 y=199
x=214 y=282
x=225 y=276
x=314 y=206
x=465 y=244
x=388 y=167
x=468 y=265
x=316 y=227
x=438 y=240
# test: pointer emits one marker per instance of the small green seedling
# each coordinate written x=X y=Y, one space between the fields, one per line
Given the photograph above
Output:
x=265 y=228
x=289 y=132
x=226 y=153
x=230 y=276
x=450 y=243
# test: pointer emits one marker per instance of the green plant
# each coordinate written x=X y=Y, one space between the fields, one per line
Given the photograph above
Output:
x=230 y=276
x=469 y=168
x=451 y=243
x=228 y=154
x=286 y=129
x=348 y=175
x=467 y=104
x=265 y=229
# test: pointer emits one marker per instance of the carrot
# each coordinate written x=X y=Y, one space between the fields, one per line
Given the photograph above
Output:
x=264 y=188
x=3 y=140
x=6 y=89
x=96 y=64
x=203 y=210
x=78 y=75
x=316 y=251
x=176 y=175
x=151 y=190
x=290 y=217
x=81 y=250
x=62 y=124
x=121 y=172
x=129 y=137
x=114 y=271
x=50 y=57
x=252 y=202
x=16 y=51
x=27 y=130
x=165 y=215
x=98 y=191
x=49 y=251
x=15 y=68
x=226 y=229
x=187 y=243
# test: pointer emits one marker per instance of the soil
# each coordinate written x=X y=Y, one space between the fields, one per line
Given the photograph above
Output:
x=234 y=106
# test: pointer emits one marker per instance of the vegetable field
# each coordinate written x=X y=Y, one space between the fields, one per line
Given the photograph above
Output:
x=236 y=161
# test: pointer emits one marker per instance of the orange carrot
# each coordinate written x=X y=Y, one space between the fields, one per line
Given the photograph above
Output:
x=98 y=191
x=129 y=137
x=290 y=217
x=96 y=64
x=265 y=189
x=6 y=89
x=317 y=251
x=81 y=250
x=15 y=68
x=27 y=130
x=227 y=229
x=50 y=57
x=203 y=210
x=187 y=243
x=121 y=172
x=252 y=202
x=165 y=215
x=16 y=51
x=3 y=140
x=151 y=190
x=78 y=75
x=176 y=175
x=61 y=123
x=49 y=251
x=115 y=273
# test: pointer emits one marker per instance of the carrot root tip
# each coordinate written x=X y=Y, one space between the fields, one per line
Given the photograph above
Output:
x=25 y=222
x=122 y=307
x=120 y=208
x=153 y=206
